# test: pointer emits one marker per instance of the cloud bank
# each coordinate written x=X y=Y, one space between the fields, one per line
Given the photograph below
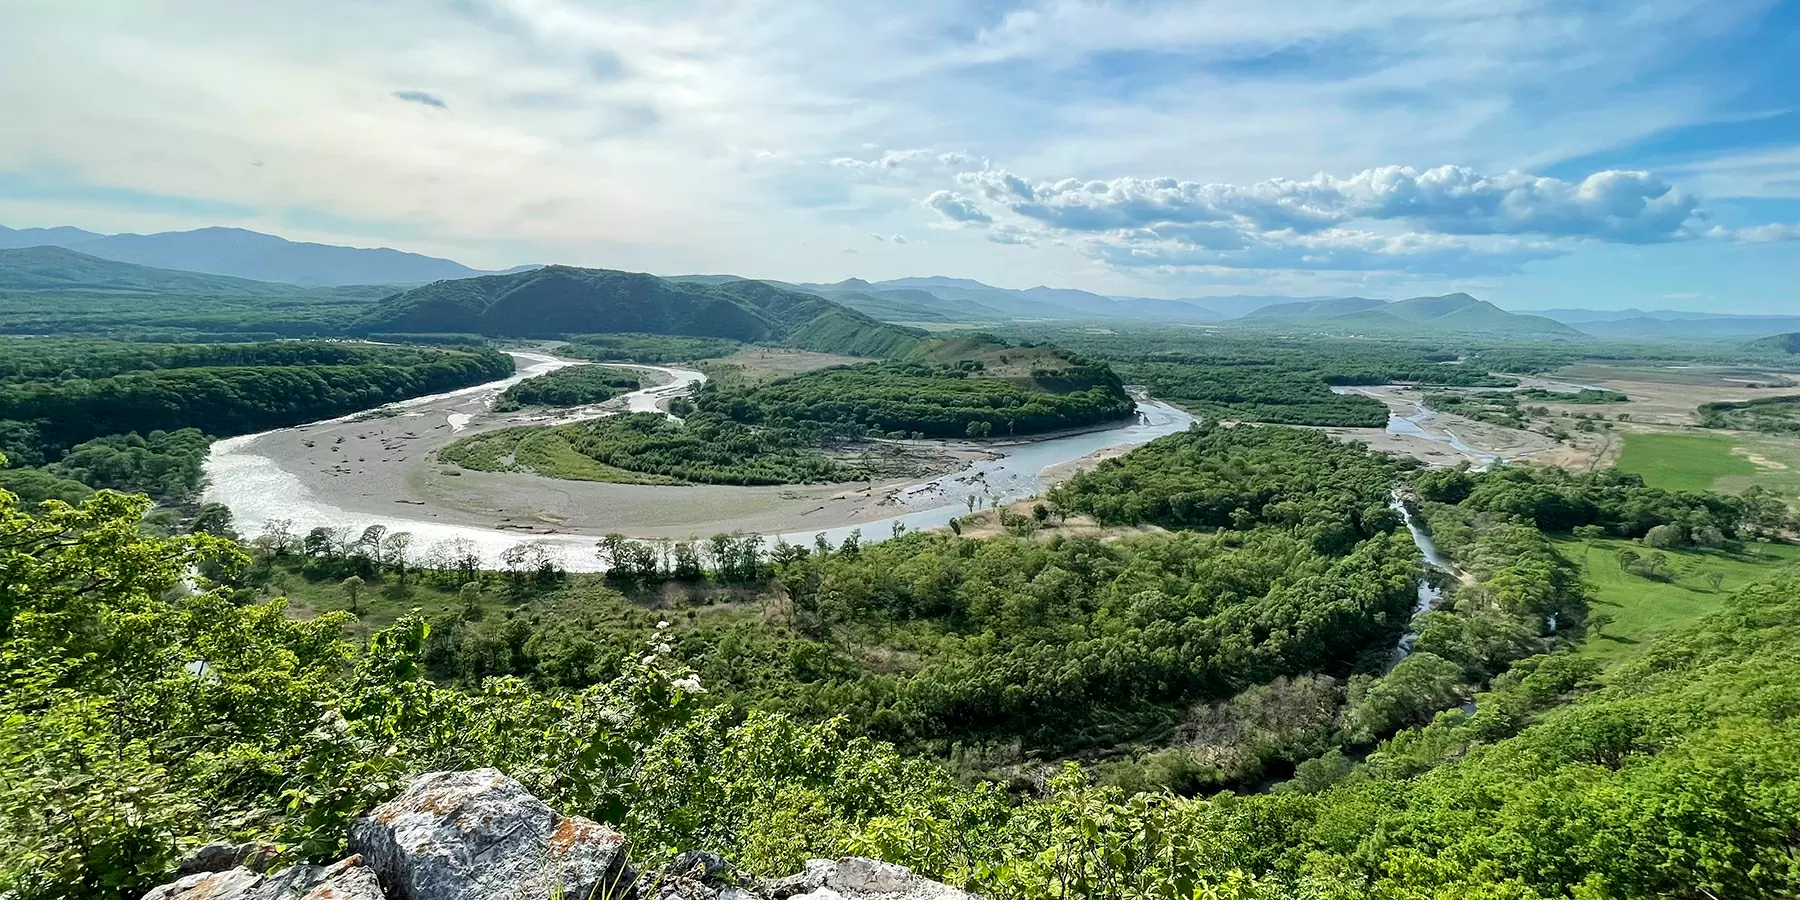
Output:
x=1446 y=220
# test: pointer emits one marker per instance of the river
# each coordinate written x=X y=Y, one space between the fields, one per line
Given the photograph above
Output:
x=260 y=491
x=1428 y=592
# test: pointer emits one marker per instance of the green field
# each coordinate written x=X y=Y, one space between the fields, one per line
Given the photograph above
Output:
x=1643 y=607
x=1682 y=462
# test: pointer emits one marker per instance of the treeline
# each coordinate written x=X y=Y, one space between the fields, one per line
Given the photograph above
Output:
x=62 y=359
x=308 y=313
x=1612 y=502
x=931 y=400
x=650 y=448
x=1769 y=415
x=647 y=348
x=77 y=415
x=1255 y=394
x=283 y=385
x=573 y=386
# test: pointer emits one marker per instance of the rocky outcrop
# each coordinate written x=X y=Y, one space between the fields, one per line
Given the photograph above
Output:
x=480 y=835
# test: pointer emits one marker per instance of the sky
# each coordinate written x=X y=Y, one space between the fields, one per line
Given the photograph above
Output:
x=1538 y=154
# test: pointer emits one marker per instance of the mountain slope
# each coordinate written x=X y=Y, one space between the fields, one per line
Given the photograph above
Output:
x=45 y=268
x=1462 y=313
x=1776 y=343
x=1316 y=309
x=249 y=254
x=1448 y=314
x=60 y=236
x=558 y=300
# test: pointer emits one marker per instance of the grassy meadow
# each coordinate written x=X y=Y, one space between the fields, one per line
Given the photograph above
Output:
x=1642 y=606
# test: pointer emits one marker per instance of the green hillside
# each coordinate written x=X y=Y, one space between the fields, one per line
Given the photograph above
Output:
x=1316 y=309
x=1418 y=316
x=559 y=300
x=1776 y=343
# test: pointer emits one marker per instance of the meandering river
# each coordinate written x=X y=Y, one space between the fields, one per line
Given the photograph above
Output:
x=262 y=486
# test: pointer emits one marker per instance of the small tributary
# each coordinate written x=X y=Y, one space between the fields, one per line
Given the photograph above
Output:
x=1429 y=594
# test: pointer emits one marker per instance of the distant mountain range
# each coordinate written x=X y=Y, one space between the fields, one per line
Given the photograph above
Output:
x=207 y=260
x=247 y=254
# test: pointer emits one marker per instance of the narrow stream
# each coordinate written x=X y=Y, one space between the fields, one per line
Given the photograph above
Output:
x=1429 y=594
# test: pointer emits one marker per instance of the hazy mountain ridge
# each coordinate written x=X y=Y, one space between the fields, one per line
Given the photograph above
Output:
x=49 y=268
x=239 y=253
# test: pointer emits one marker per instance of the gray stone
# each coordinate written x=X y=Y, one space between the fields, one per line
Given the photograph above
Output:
x=480 y=835
x=253 y=855
x=858 y=878
x=348 y=879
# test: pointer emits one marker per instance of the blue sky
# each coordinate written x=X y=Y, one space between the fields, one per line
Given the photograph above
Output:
x=1538 y=154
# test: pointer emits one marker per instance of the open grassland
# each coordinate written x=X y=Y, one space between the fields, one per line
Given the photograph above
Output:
x=1683 y=462
x=1680 y=594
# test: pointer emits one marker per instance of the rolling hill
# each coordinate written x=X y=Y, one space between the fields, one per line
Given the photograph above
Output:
x=558 y=300
x=1316 y=309
x=1776 y=343
x=1448 y=314
x=247 y=254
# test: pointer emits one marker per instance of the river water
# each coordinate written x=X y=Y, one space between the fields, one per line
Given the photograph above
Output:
x=1428 y=593
x=260 y=492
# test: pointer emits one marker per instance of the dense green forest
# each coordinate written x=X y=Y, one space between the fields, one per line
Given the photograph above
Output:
x=647 y=348
x=573 y=386
x=132 y=416
x=1670 y=775
x=1770 y=415
x=934 y=400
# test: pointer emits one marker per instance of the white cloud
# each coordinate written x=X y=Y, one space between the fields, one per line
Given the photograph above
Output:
x=1627 y=207
x=957 y=208
x=1758 y=234
x=1449 y=220
x=1007 y=234
x=898 y=239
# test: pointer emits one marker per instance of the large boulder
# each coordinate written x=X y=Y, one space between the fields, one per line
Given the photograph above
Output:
x=858 y=878
x=480 y=835
x=347 y=879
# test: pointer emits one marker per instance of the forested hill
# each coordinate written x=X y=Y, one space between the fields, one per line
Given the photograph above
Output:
x=1776 y=343
x=560 y=300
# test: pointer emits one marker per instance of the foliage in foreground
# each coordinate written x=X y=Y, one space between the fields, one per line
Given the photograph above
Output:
x=136 y=720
